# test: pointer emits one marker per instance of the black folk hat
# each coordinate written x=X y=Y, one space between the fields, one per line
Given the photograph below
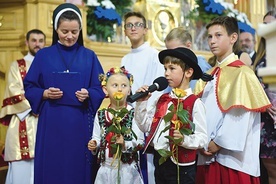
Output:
x=184 y=54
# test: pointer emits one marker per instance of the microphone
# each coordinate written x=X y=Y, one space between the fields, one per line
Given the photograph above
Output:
x=159 y=84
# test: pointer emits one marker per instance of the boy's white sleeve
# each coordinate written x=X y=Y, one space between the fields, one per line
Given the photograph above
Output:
x=143 y=117
x=199 y=139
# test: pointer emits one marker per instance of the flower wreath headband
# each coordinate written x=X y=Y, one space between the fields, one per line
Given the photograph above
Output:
x=115 y=70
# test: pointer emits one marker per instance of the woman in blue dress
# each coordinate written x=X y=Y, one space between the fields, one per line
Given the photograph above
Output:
x=63 y=88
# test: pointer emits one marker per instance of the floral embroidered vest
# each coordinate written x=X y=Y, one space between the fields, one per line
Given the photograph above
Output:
x=127 y=157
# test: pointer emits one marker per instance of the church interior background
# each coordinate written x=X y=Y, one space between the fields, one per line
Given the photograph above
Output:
x=19 y=16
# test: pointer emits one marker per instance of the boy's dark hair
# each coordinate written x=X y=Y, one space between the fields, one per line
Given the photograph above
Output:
x=177 y=61
x=136 y=14
x=229 y=23
x=34 y=31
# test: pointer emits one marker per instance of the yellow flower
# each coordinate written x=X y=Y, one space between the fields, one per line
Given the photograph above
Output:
x=118 y=95
x=118 y=120
x=176 y=123
x=180 y=93
x=104 y=83
x=117 y=69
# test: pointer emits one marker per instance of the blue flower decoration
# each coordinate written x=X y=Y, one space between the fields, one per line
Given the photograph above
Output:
x=213 y=7
x=216 y=8
x=109 y=14
x=246 y=28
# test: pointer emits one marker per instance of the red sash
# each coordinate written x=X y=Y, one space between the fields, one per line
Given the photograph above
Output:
x=17 y=98
x=184 y=155
x=22 y=68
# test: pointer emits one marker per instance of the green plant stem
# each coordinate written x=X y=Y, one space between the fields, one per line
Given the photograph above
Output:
x=178 y=179
x=119 y=149
x=178 y=101
x=119 y=164
x=176 y=159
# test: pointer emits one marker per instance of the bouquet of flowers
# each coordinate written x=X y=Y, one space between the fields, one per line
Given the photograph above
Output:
x=180 y=121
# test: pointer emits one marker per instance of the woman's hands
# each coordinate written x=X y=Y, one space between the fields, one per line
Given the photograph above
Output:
x=272 y=112
x=56 y=93
x=52 y=93
x=82 y=94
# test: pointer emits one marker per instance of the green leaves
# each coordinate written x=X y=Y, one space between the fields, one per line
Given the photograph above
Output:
x=165 y=154
x=118 y=113
x=114 y=128
x=122 y=112
x=187 y=126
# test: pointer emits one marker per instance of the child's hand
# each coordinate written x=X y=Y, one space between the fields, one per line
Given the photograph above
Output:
x=213 y=147
x=143 y=89
x=204 y=152
x=92 y=145
x=178 y=135
x=120 y=140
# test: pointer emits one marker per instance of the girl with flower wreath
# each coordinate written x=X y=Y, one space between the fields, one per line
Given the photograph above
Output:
x=176 y=124
x=116 y=137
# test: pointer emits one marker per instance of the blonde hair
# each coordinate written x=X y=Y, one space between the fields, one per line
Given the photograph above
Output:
x=179 y=33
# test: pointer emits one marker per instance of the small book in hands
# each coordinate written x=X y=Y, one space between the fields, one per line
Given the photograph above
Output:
x=69 y=83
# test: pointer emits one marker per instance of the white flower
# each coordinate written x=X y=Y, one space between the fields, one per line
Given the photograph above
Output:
x=108 y=4
x=93 y=3
x=242 y=17
x=225 y=4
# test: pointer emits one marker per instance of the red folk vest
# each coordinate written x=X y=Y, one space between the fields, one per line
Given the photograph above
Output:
x=184 y=155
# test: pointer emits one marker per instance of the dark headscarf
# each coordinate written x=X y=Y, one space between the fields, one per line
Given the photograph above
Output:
x=70 y=7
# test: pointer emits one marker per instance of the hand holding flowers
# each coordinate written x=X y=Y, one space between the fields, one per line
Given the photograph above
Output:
x=179 y=123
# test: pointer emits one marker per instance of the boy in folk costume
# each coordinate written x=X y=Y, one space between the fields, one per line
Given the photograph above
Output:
x=116 y=84
x=233 y=100
x=180 y=68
